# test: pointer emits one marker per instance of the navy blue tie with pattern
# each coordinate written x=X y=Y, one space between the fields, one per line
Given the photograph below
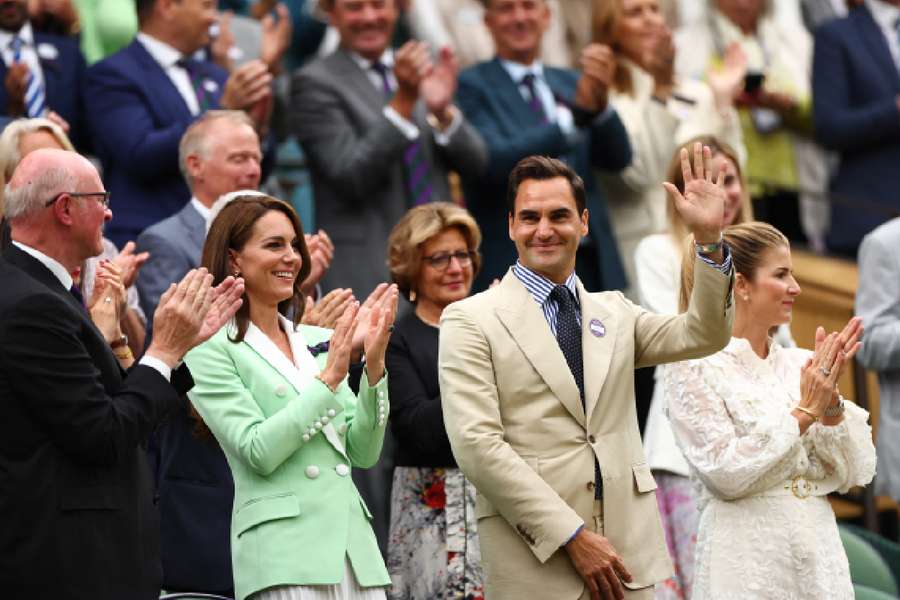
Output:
x=568 y=336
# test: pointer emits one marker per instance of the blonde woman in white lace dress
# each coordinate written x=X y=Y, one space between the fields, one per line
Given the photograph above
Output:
x=767 y=436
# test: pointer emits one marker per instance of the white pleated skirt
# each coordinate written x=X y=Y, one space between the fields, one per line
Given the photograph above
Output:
x=347 y=589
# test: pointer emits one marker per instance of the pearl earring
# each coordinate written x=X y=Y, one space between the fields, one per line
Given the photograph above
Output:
x=412 y=295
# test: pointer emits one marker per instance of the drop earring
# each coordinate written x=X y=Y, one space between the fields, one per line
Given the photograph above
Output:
x=412 y=295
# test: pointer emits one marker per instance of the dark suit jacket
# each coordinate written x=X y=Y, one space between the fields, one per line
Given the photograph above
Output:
x=855 y=83
x=175 y=245
x=75 y=490
x=63 y=78
x=196 y=493
x=356 y=160
x=492 y=102
x=137 y=118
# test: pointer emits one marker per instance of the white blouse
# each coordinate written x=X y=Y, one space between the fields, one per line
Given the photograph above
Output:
x=765 y=523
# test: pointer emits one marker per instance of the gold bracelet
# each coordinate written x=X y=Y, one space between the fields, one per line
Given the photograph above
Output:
x=124 y=354
x=814 y=416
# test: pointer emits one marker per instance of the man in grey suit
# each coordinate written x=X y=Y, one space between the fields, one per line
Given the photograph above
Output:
x=878 y=303
x=219 y=153
x=380 y=132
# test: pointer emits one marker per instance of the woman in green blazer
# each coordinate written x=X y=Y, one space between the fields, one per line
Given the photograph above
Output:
x=275 y=396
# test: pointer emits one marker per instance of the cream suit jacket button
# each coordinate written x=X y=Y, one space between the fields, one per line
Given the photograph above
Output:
x=281 y=390
x=342 y=470
x=312 y=471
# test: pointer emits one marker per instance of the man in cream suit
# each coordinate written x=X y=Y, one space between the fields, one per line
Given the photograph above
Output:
x=537 y=385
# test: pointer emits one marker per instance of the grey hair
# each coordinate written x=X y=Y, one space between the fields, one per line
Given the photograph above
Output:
x=196 y=141
x=31 y=196
x=10 y=157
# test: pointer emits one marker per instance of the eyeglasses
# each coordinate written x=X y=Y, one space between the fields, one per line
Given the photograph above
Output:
x=442 y=261
x=102 y=197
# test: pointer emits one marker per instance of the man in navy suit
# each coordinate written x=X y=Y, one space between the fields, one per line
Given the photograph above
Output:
x=42 y=73
x=145 y=96
x=522 y=108
x=856 y=106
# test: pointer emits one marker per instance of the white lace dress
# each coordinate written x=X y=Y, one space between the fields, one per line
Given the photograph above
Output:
x=766 y=529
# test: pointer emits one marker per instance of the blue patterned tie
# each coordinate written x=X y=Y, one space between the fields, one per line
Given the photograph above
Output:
x=568 y=336
x=534 y=101
x=415 y=165
x=35 y=99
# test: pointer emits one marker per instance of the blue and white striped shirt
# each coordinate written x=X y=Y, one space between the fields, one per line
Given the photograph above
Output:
x=540 y=287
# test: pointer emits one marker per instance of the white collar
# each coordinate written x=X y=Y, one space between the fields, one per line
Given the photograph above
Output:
x=885 y=14
x=61 y=273
x=25 y=34
x=386 y=58
x=201 y=208
x=517 y=70
x=161 y=52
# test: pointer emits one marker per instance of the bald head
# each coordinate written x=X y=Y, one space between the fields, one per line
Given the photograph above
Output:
x=55 y=204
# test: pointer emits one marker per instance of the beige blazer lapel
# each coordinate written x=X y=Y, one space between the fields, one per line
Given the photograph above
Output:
x=299 y=374
x=525 y=322
x=598 y=339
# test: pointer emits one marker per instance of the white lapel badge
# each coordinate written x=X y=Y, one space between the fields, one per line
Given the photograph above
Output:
x=597 y=328
x=210 y=86
x=47 y=51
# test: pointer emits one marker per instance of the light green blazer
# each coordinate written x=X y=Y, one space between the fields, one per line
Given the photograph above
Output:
x=290 y=442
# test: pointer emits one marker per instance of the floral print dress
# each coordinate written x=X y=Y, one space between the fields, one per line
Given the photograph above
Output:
x=433 y=551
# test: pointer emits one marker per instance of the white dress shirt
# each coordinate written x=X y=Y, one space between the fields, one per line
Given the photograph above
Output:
x=65 y=278
x=29 y=52
x=168 y=57
x=887 y=16
x=556 y=113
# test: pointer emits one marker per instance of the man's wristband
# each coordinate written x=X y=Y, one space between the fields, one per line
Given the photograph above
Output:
x=710 y=247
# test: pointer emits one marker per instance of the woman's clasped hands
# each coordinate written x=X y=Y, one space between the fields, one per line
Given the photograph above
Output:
x=820 y=374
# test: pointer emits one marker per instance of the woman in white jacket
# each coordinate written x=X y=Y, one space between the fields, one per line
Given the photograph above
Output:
x=660 y=112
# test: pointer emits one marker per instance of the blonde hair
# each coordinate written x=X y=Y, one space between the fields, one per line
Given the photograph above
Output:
x=419 y=225
x=11 y=156
x=747 y=243
x=605 y=19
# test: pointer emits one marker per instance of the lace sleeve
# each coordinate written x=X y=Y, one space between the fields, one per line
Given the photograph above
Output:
x=730 y=463
x=847 y=447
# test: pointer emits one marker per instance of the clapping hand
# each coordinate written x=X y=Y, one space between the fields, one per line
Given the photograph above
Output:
x=438 y=88
x=190 y=312
x=412 y=64
x=598 y=66
x=130 y=263
x=378 y=332
x=108 y=301
x=727 y=82
x=820 y=374
x=702 y=206
x=339 y=349
x=377 y=299
x=326 y=312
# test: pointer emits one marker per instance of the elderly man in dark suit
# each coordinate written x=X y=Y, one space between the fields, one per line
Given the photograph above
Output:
x=521 y=108
x=42 y=73
x=381 y=134
x=145 y=96
x=74 y=473
x=856 y=107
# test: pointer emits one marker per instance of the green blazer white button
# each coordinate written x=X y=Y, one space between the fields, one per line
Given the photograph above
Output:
x=312 y=471
x=343 y=428
x=331 y=412
x=342 y=470
x=280 y=390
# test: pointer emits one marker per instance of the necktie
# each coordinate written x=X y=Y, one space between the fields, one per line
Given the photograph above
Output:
x=534 y=101
x=35 y=99
x=77 y=293
x=192 y=68
x=415 y=165
x=568 y=336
